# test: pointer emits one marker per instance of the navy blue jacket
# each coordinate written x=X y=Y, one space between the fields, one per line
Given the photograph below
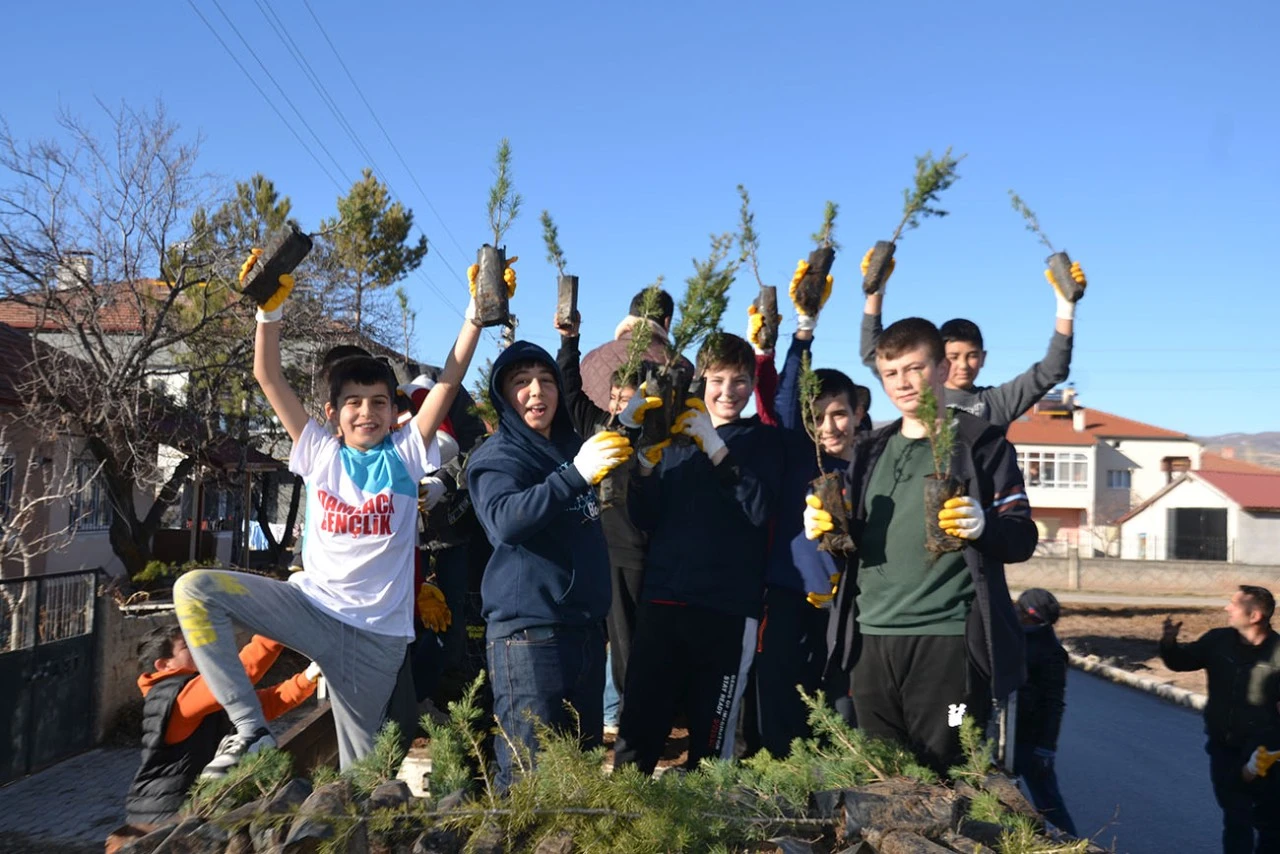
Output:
x=709 y=525
x=550 y=565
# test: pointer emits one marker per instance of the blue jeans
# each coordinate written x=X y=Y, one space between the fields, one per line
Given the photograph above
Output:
x=612 y=699
x=534 y=673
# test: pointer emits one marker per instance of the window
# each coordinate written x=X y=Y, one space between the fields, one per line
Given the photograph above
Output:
x=1119 y=478
x=6 y=485
x=90 y=507
x=1054 y=469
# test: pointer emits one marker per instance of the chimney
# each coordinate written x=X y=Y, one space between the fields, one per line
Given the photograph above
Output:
x=76 y=270
x=1069 y=397
x=1228 y=453
x=1077 y=419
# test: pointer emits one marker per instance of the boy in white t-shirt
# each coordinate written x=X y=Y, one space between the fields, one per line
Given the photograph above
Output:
x=351 y=609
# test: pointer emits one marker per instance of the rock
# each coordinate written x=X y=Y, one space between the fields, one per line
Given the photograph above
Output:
x=438 y=841
x=787 y=845
x=452 y=801
x=826 y=804
x=487 y=840
x=1011 y=796
x=986 y=832
x=315 y=821
x=964 y=844
x=268 y=828
x=149 y=843
x=557 y=843
x=903 y=842
x=240 y=843
x=900 y=805
x=392 y=794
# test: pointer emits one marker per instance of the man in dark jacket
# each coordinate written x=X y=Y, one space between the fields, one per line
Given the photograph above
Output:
x=546 y=588
x=1040 y=705
x=706 y=506
x=927 y=638
x=1242 y=662
x=1002 y=404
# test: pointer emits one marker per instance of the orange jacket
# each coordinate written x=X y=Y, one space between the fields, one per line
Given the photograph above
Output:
x=195 y=701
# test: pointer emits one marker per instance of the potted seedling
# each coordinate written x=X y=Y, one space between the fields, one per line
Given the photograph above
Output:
x=701 y=307
x=941 y=485
x=567 y=286
x=1059 y=263
x=828 y=486
x=809 y=292
x=504 y=206
x=765 y=305
x=284 y=251
x=932 y=177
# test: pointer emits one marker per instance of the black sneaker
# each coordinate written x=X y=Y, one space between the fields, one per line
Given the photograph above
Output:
x=232 y=749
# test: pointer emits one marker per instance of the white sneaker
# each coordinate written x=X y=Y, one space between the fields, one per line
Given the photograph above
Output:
x=232 y=749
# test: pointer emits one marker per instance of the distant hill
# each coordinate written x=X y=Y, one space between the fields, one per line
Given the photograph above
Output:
x=1260 y=448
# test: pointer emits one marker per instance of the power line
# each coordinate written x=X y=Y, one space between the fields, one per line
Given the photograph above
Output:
x=382 y=128
x=264 y=95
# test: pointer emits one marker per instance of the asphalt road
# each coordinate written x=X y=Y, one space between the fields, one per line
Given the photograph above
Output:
x=1133 y=770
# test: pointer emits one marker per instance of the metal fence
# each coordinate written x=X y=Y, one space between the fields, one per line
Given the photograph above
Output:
x=45 y=608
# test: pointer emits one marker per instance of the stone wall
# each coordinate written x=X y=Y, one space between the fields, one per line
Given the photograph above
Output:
x=1137 y=577
x=120 y=630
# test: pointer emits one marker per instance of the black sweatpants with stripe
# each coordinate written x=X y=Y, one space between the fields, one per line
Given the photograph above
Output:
x=684 y=656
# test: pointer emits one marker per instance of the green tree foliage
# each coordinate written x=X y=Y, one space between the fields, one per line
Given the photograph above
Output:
x=504 y=201
x=641 y=336
x=824 y=237
x=551 y=237
x=256 y=776
x=932 y=177
x=367 y=245
x=748 y=238
x=810 y=391
x=706 y=296
x=940 y=429
x=1032 y=221
x=483 y=407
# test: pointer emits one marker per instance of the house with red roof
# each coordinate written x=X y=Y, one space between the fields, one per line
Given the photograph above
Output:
x=1085 y=468
x=1208 y=515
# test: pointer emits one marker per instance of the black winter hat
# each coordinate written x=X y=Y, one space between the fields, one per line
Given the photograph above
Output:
x=1041 y=605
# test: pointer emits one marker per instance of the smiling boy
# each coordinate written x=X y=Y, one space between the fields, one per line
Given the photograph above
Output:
x=706 y=506
x=351 y=610
x=546 y=588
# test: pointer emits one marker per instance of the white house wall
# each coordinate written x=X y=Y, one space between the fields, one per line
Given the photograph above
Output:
x=1258 y=541
x=1148 y=454
x=1145 y=536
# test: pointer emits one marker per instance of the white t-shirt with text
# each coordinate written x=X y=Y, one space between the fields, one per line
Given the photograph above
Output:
x=361 y=528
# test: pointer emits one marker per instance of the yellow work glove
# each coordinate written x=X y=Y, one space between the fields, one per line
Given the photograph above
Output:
x=755 y=327
x=805 y=322
x=632 y=416
x=1067 y=308
x=817 y=521
x=1261 y=761
x=651 y=455
x=508 y=276
x=432 y=608
x=601 y=454
x=866 y=262
x=272 y=310
x=962 y=517
x=695 y=423
x=822 y=600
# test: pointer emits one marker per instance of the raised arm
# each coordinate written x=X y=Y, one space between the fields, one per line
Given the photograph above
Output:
x=436 y=407
x=787 y=401
x=586 y=416
x=268 y=372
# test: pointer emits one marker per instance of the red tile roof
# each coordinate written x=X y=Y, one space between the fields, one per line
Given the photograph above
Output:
x=1216 y=462
x=116 y=306
x=1038 y=428
x=1250 y=491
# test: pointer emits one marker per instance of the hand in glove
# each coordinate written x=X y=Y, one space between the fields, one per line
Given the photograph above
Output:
x=632 y=416
x=508 y=276
x=601 y=454
x=805 y=322
x=1260 y=762
x=817 y=521
x=888 y=271
x=823 y=600
x=651 y=455
x=962 y=517
x=755 y=328
x=432 y=608
x=312 y=672
x=1067 y=308
x=430 y=491
x=273 y=309
x=695 y=423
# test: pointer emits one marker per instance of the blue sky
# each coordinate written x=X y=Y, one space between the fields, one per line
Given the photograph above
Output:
x=1142 y=133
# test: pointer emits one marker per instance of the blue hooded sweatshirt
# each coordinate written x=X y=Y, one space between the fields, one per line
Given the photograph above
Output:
x=550 y=565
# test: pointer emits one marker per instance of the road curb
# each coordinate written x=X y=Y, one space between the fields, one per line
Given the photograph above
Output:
x=1172 y=693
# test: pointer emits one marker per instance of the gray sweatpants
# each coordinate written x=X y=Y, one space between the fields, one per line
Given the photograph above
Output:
x=359 y=666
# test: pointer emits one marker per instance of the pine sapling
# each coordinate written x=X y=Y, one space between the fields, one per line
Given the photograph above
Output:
x=491 y=292
x=827 y=486
x=918 y=201
x=1059 y=263
x=940 y=486
x=810 y=391
x=812 y=288
x=566 y=285
x=765 y=305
